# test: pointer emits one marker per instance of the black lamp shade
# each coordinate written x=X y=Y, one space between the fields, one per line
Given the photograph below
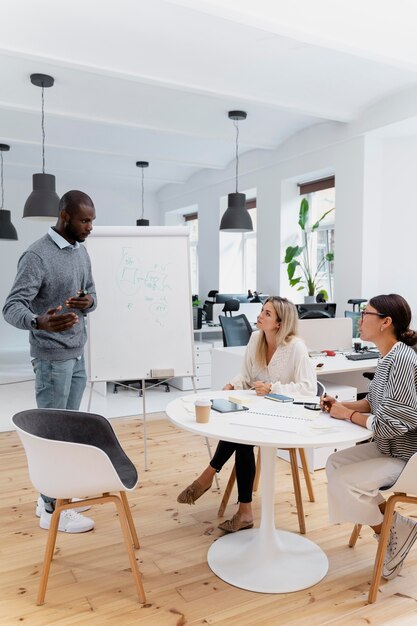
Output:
x=142 y=222
x=7 y=230
x=43 y=202
x=236 y=218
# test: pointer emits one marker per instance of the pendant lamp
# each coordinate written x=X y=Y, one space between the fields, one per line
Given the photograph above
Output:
x=142 y=221
x=236 y=218
x=43 y=202
x=7 y=230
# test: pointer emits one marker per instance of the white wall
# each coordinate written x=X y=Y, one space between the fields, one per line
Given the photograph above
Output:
x=397 y=212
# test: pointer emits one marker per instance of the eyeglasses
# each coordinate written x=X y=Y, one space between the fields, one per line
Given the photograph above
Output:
x=363 y=313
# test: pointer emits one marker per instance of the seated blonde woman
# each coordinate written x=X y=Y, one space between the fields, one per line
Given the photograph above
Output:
x=275 y=360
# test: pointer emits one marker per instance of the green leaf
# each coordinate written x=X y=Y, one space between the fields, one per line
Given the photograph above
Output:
x=291 y=252
x=316 y=225
x=295 y=281
x=330 y=256
x=292 y=266
x=303 y=215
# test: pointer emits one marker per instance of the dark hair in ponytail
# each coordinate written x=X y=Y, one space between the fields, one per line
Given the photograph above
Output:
x=394 y=306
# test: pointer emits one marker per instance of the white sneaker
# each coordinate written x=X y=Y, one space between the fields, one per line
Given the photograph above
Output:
x=403 y=534
x=69 y=522
x=40 y=506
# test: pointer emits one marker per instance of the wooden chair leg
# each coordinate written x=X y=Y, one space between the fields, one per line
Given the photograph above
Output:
x=382 y=548
x=49 y=551
x=216 y=478
x=132 y=528
x=355 y=534
x=227 y=492
x=307 y=475
x=131 y=554
x=297 y=490
x=258 y=471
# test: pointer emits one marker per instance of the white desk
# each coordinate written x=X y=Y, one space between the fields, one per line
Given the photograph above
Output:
x=265 y=559
x=227 y=363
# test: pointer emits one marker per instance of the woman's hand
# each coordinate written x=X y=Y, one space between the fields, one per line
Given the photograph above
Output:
x=261 y=388
x=228 y=387
x=339 y=411
x=326 y=402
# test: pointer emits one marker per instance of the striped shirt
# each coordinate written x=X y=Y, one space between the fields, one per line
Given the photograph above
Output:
x=393 y=400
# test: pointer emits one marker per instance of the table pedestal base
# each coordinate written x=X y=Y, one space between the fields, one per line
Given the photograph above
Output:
x=287 y=563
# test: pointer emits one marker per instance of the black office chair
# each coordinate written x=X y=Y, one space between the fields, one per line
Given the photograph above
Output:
x=236 y=330
x=355 y=314
x=356 y=302
x=316 y=310
x=230 y=306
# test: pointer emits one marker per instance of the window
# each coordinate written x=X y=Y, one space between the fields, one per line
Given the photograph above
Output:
x=249 y=251
x=321 y=197
x=191 y=221
x=238 y=258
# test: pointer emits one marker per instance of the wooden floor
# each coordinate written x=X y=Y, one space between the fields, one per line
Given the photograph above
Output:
x=90 y=581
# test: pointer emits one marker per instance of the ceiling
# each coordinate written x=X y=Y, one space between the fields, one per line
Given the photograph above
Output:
x=154 y=79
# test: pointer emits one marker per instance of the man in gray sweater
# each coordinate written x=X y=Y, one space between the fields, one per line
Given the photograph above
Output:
x=51 y=295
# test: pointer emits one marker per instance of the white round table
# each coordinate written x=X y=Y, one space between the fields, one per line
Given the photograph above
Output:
x=266 y=559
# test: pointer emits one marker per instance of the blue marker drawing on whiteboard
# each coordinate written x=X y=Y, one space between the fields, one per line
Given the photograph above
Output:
x=144 y=286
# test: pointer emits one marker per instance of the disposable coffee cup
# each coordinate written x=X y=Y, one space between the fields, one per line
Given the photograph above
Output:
x=202 y=411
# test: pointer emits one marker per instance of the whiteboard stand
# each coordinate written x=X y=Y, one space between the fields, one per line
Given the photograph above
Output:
x=145 y=449
x=90 y=396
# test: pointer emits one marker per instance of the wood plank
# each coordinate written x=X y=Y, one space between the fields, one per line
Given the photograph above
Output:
x=90 y=581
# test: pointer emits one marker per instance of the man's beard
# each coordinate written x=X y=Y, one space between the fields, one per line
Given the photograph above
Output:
x=70 y=233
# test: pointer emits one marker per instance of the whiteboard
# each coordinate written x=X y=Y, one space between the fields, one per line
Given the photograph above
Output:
x=143 y=321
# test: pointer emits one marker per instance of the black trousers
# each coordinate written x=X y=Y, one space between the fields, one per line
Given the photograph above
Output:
x=245 y=466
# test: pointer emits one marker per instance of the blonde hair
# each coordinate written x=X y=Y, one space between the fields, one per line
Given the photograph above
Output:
x=287 y=317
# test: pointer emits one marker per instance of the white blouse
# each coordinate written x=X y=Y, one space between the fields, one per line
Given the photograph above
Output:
x=290 y=369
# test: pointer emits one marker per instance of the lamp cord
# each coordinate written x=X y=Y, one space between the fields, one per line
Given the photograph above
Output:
x=235 y=122
x=2 y=185
x=143 y=194
x=43 y=130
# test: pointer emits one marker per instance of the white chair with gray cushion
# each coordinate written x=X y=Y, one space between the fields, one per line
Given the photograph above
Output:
x=74 y=454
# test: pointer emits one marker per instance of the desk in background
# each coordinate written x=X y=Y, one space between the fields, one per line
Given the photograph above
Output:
x=227 y=362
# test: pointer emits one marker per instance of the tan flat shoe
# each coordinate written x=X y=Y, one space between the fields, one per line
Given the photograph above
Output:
x=234 y=524
x=192 y=493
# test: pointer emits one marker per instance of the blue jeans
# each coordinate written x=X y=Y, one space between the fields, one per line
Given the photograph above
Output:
x=59 y=385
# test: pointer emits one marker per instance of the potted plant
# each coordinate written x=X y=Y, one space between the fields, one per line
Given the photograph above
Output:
x=299 y=258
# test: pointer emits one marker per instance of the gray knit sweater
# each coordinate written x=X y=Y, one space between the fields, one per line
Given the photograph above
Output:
x=46 y=276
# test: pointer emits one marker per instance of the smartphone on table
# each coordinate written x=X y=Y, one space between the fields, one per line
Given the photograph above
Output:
x=278 y=397
x=225 y=406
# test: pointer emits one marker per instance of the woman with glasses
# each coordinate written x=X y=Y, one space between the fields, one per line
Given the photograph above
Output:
x=389 y=411
x=275 y=360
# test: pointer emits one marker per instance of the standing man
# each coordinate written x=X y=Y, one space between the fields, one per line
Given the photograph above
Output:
x=52 y=293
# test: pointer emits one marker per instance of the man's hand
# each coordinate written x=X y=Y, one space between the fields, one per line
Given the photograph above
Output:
x=54 y=323
x=82 y=301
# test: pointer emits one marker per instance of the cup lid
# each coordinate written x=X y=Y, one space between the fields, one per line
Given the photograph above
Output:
x=203 y=402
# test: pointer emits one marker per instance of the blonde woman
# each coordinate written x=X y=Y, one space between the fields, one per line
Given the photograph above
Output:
x=275 y=360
